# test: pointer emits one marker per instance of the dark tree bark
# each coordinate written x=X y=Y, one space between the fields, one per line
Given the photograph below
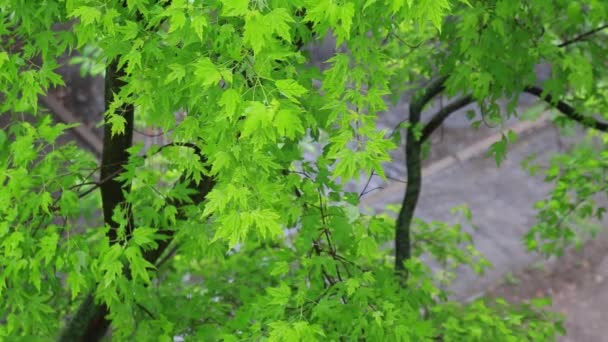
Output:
x=413 y=154
x=567 y=110
x=413 y=150
x=443 y=114
x=89 y=322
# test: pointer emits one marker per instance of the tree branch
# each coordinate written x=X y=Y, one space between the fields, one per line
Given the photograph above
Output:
x=582 y=36
x=567 y=110
x=432 y=90
x=443 y=114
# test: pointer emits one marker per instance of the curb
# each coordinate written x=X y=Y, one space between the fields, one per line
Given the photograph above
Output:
x=396 y=189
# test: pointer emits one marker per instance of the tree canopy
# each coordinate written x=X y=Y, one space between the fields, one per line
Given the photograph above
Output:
x=229 y=231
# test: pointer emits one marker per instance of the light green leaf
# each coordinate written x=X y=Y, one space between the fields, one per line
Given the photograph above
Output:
x=290 y=88
x=280 y=295
x=258 y=116
x=230 y=100
x=117 y=123
x=178 y=19
x=235 y=7
x=288 y=123
x=144 y=236
x=88 y=15
x=280 y=268
x=279 y=20
x=352 y=285
x=3 y=57
x=257 y=32
x=177 y=73
x=199 y=24
x=206 y=72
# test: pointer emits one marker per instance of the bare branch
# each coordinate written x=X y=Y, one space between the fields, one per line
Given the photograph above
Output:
x=582 y=36
x=443 y=114
x=567 y=110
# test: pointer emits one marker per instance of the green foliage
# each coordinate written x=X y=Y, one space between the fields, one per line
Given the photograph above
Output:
x=570 y=215
x=278 y=250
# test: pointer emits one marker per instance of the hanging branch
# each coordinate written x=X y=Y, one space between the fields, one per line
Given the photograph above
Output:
x=582 y=36
x=567 y=110
x=89 y=322
x=413 y=149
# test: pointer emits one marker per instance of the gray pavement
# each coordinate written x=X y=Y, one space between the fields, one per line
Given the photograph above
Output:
x=584 y=305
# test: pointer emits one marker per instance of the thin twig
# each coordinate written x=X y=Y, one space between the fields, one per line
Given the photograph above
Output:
x=369 y=179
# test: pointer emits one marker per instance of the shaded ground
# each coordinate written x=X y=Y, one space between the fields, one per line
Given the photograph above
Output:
x=578 y=284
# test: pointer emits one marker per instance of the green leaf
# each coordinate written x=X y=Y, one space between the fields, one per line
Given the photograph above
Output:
x=88 y=15
x=117 y=124
x=77 y=282
x=257 y=117
x=257 y=32
x=280 y=268
x=499 y=150
x=3 y=57
x=279 y=295
x=206 y=72
x=288 y=123
x=230 y=100
x=144 y=237
x=279 y=20
x=290 y=88
x=138 y=264
x=235 y=7
x=199 y=24
x=178 y=72
x=352 y=285
x=48 y=246
x=367 y=247
x=178 y=19
x=45 y=201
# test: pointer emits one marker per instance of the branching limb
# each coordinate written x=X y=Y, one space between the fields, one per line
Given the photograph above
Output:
x=443 y=114
x=583 y=36
x=567 y=110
